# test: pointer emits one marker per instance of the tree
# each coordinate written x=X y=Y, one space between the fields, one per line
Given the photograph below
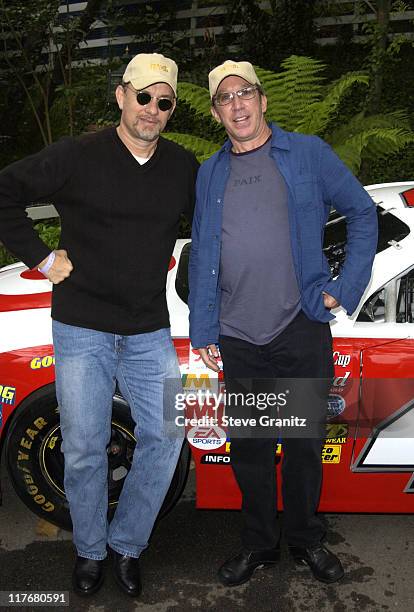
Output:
x=38 y=49
x=382 y=44
x=299 y=100
x=271 y=34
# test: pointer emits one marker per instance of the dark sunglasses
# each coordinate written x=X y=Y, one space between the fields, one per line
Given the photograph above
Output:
x=144 y=98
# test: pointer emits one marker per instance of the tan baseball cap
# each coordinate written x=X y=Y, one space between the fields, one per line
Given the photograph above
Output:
x=231 y=68
x=145 y=69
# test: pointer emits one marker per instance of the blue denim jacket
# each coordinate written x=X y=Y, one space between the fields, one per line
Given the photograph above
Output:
x=316 y=180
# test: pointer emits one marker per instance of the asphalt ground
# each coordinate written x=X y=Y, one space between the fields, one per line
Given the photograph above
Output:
x=179 y=568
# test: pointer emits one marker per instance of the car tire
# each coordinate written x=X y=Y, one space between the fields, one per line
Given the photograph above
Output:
x=35 y=461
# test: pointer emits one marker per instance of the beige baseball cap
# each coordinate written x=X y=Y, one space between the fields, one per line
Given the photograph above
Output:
x=145 y=69
x=231 y=68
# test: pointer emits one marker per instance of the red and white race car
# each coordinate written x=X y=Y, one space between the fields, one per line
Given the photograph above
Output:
x=369 y=452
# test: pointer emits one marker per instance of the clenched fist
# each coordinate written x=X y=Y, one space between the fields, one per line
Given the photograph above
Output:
x=61 y=267
x=329 y=301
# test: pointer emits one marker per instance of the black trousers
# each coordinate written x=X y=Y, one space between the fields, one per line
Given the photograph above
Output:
x=302 y=351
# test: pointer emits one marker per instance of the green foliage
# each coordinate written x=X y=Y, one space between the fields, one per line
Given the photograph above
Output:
x=48 y=231
x=321 y=113
x=291 y=92
x=198 y=98
x=149 y=27
x=298 y=100
x=6 y=257
x=271 y=33
x=202 y=148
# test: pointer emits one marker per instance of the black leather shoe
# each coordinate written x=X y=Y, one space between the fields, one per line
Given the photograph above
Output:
x=325 y=566
x=126 y=570
x=239 y=569
x=87 y=576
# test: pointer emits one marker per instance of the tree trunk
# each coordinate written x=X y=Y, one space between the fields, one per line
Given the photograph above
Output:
x=57 y=77
x=381 y=42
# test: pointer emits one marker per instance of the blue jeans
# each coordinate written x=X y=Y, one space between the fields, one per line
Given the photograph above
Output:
x=88 y=365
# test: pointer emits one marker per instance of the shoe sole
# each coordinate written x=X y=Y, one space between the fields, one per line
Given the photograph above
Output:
x=266 y=565
x=82 y=593
x=303 y=564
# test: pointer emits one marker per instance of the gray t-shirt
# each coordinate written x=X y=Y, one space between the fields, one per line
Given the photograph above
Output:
x=260 y=295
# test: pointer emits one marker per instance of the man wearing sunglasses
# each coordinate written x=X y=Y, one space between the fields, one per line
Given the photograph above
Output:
x=120 y=193
x=261 y=292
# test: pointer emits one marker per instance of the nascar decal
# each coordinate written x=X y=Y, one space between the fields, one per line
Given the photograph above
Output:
x=42 y=362
x=196 y=381
x=278 y=448
x=207 y=438
x=410 y=485
x=7 y=394
x=215 y=459
x=331 y=453
x=336 y=433
x=340 y=360
x=336 y=405
x=390 y=448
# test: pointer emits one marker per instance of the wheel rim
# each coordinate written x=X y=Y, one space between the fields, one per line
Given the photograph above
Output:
x=120 y=453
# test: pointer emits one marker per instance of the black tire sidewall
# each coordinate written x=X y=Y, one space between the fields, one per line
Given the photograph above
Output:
x=24 y=464
x=31 y=425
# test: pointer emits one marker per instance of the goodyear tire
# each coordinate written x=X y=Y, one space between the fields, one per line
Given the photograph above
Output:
x=35 y=461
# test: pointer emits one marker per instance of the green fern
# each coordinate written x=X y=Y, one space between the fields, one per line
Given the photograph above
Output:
x=291 y=92
x=319 y=115
x=198 y=98
x=298 y=100
x=372 y=144
x=202 y=148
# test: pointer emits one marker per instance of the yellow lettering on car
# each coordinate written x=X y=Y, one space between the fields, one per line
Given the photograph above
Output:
x=331 y=453
x=7 y=393
x=42 y=362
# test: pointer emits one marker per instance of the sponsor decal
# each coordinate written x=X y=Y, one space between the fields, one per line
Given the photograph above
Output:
x=336 y=405
x=7 y=394
x=206 y=438
x=331 y=453
x=195 y=381
x=336 y=433
x=216 y=459
x=339 y=382
x=278 y=448
x=341 y=360
x=42 y=362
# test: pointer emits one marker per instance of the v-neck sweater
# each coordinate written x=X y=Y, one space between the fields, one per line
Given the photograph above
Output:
x=119 y=225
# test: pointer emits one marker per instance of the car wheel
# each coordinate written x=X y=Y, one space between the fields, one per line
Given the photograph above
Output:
x=35 y=461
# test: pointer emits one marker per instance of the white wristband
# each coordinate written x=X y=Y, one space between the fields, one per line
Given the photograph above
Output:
x=45 y=269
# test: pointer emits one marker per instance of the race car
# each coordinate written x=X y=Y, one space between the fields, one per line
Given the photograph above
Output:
x=368 y=456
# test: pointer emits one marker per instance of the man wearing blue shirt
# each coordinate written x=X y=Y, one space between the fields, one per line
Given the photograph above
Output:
x=261 y=290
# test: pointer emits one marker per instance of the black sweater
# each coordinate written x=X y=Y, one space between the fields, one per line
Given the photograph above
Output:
x=119 y=225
